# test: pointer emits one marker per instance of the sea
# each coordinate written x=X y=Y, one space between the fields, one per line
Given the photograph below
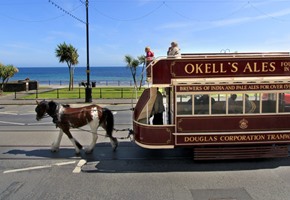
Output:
x=60 y=75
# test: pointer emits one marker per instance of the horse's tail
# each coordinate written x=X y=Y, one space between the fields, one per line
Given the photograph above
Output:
x=109 y=121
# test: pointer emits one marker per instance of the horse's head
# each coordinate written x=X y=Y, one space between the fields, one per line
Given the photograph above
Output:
x=41 y=109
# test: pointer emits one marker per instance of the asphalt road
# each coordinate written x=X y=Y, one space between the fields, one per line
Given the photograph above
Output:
x=28 y=170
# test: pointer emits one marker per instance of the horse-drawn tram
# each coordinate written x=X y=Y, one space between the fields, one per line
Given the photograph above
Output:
x=224 y=106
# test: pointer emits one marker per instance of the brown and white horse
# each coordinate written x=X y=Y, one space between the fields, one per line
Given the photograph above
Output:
x=66 y=117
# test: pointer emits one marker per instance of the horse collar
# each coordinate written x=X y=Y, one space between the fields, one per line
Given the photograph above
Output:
x=54 y=112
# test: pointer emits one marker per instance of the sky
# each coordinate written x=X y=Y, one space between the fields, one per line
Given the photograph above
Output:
x=32 y=29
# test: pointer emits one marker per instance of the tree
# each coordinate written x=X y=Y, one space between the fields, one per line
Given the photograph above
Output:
x=132 y=64
x=6 y=72
x=142 y=61
x=69 y=54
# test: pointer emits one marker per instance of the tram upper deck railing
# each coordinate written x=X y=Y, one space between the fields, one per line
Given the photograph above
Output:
x=235 y=55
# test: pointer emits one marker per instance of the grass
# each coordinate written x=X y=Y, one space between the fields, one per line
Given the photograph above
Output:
x=79 y=93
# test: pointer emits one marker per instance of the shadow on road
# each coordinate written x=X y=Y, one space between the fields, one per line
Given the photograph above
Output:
x=129 y=158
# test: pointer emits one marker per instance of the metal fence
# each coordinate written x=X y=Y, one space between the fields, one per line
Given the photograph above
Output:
x=93 y=82
x=79 y=93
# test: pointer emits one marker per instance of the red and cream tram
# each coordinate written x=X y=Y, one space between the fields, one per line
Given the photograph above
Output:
x=224 y=106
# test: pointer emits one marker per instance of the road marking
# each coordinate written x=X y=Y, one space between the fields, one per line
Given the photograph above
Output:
x=15 y=113
x=14 y=123
x=78 y=168
x=25 y=124
x=38 y=167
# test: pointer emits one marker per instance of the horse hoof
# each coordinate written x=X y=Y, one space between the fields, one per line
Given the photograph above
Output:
x=89 y=151
x=54 y=150
x=115 y=147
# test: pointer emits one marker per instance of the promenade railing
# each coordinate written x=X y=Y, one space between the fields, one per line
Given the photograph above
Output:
x=79 y=93
x=93 y=82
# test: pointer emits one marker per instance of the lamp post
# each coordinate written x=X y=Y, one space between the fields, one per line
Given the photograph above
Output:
x=88 y=88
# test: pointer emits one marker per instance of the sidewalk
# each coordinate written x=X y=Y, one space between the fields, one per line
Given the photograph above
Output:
x=10 y=100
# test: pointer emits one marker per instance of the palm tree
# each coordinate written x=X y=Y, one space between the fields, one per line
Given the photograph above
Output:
x=69 y=54
x=142 y=61
x=132 y=64
x=6 y=72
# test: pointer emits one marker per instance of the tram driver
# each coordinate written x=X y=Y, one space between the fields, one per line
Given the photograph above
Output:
x=158 y=109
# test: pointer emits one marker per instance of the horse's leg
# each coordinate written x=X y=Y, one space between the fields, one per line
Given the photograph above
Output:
x=75 y=143
x=55 y=145
x=109 y=127
x=94 y=129
x=114 y=143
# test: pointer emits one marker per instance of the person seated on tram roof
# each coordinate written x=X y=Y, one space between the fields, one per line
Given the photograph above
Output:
x=173 y=50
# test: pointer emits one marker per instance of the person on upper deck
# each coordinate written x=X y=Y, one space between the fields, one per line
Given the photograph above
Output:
x=149 y=55
x=174 y=50
x=148 y=58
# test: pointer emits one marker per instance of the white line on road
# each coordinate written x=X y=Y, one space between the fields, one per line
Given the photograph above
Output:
x=38 y=167
x=78 y=168
x=14 y=123
x=13 y=113
x=25 y=124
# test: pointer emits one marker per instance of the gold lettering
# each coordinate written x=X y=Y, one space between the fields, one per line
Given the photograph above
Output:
x=208 y=68
x=198 y=68
x=234 y=67
x=201 y=139
x=272 y=67
x=285 y=64
x=256 y=68
x=265 y=67
x=248 y=68
x=278 y=137
x=214 y=70
x=189 y=68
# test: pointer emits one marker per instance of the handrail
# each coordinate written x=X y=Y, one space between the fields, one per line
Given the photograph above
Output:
x=234 y=55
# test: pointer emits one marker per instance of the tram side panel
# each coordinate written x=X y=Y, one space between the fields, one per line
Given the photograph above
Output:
x=222 y=130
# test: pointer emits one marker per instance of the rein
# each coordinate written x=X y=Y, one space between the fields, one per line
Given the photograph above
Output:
x=132 y=109
x=130 y=132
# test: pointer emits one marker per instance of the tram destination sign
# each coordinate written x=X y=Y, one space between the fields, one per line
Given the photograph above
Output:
x=233 y=87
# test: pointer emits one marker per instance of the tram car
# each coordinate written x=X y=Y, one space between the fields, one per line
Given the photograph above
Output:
x=223 y=106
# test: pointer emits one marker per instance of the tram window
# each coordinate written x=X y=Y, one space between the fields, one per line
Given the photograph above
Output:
x=251 y=102
x=184 y=104
x=201 y=104
x=218 y=105
x=284 y=102
x=234 y=104
x=269 y=102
